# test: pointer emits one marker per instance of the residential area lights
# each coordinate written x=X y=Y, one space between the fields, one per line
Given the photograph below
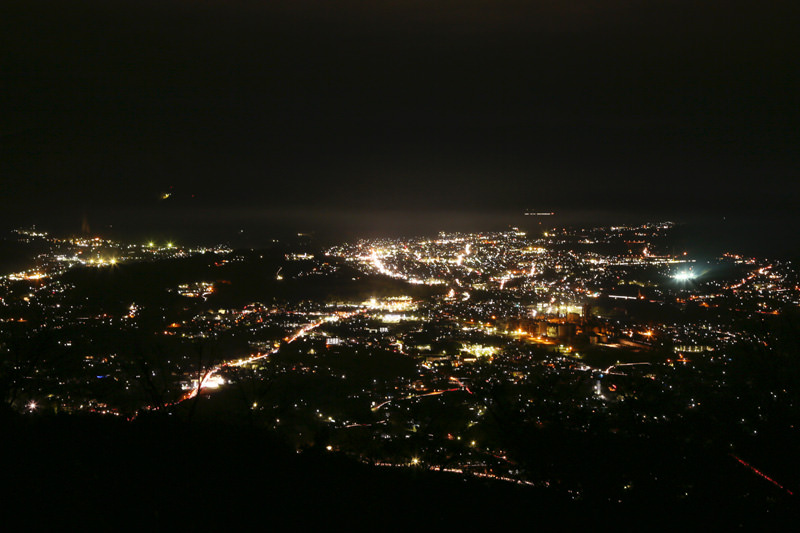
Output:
x=568 y=330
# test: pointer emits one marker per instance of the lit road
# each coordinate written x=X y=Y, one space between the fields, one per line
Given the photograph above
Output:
x=461 y=386
x=211 y=380
x=608 y=370
x=762 y=474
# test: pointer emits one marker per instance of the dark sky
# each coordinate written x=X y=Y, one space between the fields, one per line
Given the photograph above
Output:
x=496 y=104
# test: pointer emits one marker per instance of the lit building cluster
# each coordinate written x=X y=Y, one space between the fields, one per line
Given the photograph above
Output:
x=416 y=352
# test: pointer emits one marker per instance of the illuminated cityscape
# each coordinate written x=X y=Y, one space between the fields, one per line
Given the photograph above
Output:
x=300 y=264
x=475 y=354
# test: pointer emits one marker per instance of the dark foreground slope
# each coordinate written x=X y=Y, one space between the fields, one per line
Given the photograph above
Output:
x=156 y=475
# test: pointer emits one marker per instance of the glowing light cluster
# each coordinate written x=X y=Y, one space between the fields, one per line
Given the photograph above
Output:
x=27 y=276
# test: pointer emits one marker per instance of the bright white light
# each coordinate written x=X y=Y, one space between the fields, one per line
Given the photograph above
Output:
x=685 y=275
x=212 y=382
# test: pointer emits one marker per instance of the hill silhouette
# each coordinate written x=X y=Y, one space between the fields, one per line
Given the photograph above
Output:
x=159 y=473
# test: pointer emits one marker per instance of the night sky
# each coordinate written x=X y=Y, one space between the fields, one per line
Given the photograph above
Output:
x=428 y=106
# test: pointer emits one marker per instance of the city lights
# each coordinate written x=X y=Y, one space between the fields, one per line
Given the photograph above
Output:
x=438 y=338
